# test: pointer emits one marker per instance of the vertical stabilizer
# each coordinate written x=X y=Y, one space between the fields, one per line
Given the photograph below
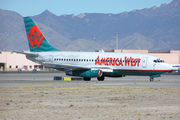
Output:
x=37 y=41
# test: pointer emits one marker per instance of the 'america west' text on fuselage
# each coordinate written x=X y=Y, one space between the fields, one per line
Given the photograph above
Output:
x=108 y=61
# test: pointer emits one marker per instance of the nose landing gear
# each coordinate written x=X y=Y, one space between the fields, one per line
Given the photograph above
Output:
x=151 y=79
x=153 y=76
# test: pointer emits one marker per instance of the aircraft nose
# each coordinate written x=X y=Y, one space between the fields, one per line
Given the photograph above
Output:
x=169 y=67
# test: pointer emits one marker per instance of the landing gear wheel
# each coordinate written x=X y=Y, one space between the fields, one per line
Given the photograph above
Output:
x=151 y=79
x=100 y=78
x=87 y=79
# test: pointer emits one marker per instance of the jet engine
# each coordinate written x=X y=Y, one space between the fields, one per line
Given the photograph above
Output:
x=85 y=73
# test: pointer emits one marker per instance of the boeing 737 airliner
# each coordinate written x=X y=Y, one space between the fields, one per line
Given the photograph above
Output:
x=90 y=64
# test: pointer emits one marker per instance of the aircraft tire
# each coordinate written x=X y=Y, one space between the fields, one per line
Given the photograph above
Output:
x=87 y=79
x=151 y=79
x=100 y=78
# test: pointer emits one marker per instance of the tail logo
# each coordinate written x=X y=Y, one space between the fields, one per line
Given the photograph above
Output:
x=35 y=36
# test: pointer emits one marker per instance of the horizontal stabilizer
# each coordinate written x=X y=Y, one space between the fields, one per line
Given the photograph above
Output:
x=27 y=53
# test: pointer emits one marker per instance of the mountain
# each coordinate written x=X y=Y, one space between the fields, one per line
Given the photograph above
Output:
x=156 y=28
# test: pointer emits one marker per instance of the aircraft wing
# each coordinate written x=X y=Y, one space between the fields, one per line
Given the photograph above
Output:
x=76 y=67
x=27 y=53
x=65 y=66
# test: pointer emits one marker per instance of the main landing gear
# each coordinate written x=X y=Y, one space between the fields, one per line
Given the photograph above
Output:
x=98 y=78
x=87 y=78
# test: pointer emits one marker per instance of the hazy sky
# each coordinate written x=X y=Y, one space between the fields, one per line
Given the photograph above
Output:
x=60 y=7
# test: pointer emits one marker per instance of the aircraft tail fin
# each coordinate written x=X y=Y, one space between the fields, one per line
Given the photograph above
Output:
x=37 y=41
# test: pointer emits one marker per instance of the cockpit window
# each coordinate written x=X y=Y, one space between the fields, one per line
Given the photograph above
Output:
x=161 y=60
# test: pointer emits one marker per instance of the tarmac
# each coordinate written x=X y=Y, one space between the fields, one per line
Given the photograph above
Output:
x=46 y=79
x=36 y=95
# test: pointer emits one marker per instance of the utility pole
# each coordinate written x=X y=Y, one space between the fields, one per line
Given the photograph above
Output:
x=116 y=40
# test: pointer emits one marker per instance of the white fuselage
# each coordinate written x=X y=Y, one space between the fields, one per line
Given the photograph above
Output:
x=106 y=61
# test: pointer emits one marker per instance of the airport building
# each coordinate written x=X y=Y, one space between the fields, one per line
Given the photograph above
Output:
x=10 y=61
x=13 y=62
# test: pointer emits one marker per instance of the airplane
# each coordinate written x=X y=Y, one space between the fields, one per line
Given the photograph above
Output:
x=175 y=67
x=90 y=64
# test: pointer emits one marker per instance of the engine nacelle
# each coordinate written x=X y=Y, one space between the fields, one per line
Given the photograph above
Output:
x=83 y=73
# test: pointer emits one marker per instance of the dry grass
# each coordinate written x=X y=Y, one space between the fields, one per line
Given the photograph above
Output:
x=69 y=103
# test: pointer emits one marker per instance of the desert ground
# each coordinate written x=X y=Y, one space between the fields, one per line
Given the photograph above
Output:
x=90 y=103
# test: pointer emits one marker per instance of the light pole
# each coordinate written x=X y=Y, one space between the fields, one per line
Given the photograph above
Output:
x=116 y=40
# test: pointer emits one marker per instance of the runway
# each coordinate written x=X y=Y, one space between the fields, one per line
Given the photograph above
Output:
x=35 y=95
x=45 y=79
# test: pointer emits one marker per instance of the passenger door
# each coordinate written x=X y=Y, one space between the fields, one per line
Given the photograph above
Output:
x=50 y=58
x=144 y=62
